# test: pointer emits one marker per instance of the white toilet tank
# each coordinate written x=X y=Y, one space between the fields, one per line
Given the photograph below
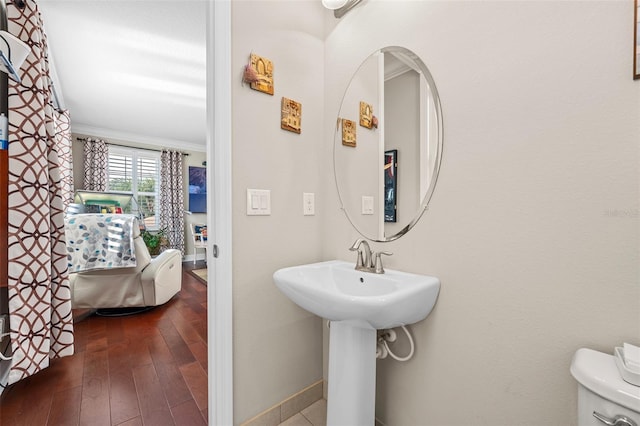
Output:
x=602 y=390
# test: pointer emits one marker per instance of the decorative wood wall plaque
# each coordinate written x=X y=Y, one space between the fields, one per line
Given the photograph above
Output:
x=291 y=117
x=366 y=114
x=264 y=69
x=348 y=132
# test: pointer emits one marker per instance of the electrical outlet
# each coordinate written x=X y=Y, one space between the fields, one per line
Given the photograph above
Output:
x=308 y=204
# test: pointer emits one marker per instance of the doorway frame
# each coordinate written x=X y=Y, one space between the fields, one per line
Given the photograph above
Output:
x=219 y=252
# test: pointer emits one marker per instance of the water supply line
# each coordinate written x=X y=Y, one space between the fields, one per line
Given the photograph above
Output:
x=389 y=335
x=386 y=336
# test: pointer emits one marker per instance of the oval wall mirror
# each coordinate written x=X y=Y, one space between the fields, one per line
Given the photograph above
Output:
x=388 y=144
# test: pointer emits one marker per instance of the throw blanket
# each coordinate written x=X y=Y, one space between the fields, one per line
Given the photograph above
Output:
x=100 y=241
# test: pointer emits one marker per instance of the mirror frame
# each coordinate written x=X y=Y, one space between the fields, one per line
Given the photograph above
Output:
x=337 y=140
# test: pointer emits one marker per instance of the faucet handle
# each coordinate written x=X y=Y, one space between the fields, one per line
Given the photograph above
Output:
x=378 y=266
x=360 y=261
x=356 y=247
x=356 y=244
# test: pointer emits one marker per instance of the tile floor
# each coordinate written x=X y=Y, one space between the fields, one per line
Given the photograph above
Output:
x=314 y=415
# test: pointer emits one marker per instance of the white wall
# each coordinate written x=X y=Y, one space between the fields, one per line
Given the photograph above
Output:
x=534 y=225
x=277 y=346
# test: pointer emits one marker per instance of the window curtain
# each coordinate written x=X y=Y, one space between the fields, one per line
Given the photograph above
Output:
x=171 y=201
x=96 y=157
x=41 y=323
x=63 y=144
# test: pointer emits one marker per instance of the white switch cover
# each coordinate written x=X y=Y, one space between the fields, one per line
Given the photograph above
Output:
x=367 y=204
x=258 y=202
x=308 y=203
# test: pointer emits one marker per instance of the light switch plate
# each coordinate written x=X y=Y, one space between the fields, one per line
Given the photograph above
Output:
x=308 y=203
x=367 y=205
x=258 y=202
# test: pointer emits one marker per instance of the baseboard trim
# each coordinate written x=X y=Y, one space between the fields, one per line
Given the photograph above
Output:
x=189 y=257
x=289 y=407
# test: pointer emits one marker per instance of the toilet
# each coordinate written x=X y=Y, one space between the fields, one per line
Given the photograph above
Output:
x=602 y=392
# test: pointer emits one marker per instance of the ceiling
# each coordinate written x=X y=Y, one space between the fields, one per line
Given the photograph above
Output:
x=131 y=70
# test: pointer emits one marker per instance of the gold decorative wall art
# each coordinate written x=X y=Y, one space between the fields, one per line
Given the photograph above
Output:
x=348 y=133
x=291 y=117
x=263 y=67
x=366 y=115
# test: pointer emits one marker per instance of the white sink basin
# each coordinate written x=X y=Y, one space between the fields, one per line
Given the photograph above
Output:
x=336 y=291
x=357 y=304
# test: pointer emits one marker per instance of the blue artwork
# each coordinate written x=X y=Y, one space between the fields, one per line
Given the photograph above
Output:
x=197 y=189
x=390 y=185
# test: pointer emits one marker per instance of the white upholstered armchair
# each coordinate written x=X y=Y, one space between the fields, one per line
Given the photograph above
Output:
x=150 y=282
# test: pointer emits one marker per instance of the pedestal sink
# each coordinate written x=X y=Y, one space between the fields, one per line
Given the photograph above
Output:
x=357 y=304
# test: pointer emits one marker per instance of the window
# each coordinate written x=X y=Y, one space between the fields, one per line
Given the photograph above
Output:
x=136 y=172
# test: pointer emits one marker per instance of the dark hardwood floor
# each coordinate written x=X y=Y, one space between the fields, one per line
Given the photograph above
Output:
x=144 y=369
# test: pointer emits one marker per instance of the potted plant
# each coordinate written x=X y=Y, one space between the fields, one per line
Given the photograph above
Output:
x=155 y=241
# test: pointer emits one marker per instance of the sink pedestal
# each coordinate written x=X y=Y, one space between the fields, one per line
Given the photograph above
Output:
x=352 y=375
x=357 y=304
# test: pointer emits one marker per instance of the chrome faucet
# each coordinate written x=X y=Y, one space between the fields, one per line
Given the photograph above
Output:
x=377 y=266
x=363 y=263
x=368 y=261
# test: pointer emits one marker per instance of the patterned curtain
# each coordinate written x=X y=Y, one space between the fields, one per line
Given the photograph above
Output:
x=172 y=198
x=39 y=294
x=62 y=125
x=96 y=155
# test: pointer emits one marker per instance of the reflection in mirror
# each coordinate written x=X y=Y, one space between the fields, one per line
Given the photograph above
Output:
x=390 y=185
x=398 y=89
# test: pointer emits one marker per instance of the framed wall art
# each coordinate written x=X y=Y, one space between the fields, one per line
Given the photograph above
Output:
x=263 y=67
x=197 y=189
x=348 y=133
x=366 y=115
x=291 y=116
x=390 y=185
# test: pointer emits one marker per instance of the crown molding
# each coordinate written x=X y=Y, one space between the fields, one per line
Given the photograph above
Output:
x=132 y=137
